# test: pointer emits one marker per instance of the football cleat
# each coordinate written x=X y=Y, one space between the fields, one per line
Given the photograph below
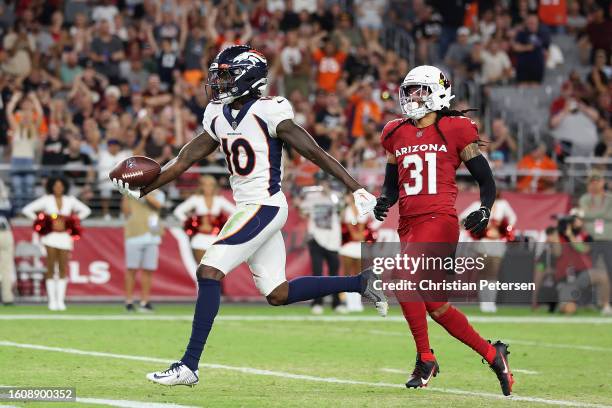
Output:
x=423 y=372
x=501 y=368
x=377 y=296
x=177 y=374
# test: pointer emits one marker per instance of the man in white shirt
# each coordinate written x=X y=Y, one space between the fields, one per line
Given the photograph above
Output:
x=107 y=160
x=322 y=207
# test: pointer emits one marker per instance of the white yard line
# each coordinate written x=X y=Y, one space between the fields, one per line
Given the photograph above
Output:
x=510 y=341
x=406 y=371
x=559 y=345
x=394 y=371
x=331 y=380
x=528 y=372
x=306 y=318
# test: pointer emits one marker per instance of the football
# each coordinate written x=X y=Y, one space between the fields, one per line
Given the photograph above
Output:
x=137 y=171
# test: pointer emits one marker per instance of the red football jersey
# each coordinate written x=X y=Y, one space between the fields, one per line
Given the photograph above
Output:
x=427 y=164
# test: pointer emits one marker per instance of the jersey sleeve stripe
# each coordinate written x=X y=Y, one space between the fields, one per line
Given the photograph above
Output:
x=275 y=150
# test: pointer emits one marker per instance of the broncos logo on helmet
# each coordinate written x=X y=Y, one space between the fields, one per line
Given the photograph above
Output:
x=237 y=71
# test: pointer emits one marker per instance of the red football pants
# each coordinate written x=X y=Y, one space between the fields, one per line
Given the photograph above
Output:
x=416 y=233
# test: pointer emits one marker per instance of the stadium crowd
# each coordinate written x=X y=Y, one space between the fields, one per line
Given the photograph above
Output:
x=85 y=84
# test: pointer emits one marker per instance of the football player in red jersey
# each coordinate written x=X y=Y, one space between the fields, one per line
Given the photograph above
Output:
x=424 y=150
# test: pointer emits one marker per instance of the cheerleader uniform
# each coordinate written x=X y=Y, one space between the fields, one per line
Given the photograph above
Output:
x=197 y=204
x=48 y=205
x=502 y=219
x=56 y=288
x=352 y=249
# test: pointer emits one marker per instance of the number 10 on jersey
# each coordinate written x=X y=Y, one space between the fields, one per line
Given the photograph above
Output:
x=416 y=174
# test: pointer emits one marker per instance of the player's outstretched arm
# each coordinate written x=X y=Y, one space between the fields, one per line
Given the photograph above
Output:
x=301 y=141
x=197 y=149
x=479 y=168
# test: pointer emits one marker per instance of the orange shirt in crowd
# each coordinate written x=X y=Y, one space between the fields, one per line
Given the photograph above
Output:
x=329 y=69
x=553 y=12
x=528 y=162
x=364 y=110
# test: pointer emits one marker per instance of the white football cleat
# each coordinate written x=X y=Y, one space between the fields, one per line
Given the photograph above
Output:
x=177 y=374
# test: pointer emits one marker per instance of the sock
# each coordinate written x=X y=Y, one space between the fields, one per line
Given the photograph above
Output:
x=312 y=287
x=457 y=325
x=416 y=316
x=206 y=309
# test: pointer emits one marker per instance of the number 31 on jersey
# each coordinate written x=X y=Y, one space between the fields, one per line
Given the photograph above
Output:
x=415 y=187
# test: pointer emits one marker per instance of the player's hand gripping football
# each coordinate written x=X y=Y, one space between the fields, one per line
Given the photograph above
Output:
x=364 y=201
x=382 y=207
x=124 y=189
x=478 y=220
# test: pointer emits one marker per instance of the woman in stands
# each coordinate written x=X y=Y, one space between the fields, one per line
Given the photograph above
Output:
x=59 y=209
x=204 y=214
x=355 y=230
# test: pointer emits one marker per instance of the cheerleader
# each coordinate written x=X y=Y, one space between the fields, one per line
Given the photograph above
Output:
x=492 y=244
x=60 y=207
x=209 y=211
x=355 y=230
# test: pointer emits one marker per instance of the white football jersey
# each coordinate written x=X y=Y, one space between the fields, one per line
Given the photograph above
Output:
x=252 y=151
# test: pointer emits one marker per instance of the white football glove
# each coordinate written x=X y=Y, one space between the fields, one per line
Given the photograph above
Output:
x=124 y=189
x=364 y=201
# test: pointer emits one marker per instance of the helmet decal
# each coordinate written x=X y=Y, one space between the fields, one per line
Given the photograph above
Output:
x=237 y=71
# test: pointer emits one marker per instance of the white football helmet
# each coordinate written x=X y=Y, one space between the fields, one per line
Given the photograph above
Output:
x=425 y=89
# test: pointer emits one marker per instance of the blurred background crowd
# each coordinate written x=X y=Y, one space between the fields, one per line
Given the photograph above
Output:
x=85 y=84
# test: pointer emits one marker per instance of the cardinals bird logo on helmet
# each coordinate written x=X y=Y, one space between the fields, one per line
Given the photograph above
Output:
x=425 y=89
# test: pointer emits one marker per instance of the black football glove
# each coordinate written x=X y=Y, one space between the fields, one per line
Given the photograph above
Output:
x=478 y=220
x=382 y=207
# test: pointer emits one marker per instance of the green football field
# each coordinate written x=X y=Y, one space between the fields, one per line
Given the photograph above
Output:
x=260 y=356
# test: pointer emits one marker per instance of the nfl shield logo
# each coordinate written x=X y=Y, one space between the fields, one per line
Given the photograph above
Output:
x=419 y=133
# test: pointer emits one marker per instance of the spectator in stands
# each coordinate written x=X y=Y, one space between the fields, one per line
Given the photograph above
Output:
x=78 y=168
x=598 y=32
x=26 y=126
x=295 y=65
x=427 y=30
x=369 y=18
x=106 y=51
x=330 y=60
x=599 y=77
x=503 y=141
x=458 y=52
x=53 y=148
x=603 y=104
x=7 y=263
x=330 y=123
x=17 y=47
x=211 y=208
x=596 y=205
x=107 y=160
x=575 y=20
x=365 y=108
x=496 y=65
x=534 y=163
x=531 y=46
x=573 y=123
x=604 y=147
x=143 y=235
x=59 y=207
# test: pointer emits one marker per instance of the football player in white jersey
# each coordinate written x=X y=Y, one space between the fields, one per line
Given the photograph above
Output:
x=251 y=130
